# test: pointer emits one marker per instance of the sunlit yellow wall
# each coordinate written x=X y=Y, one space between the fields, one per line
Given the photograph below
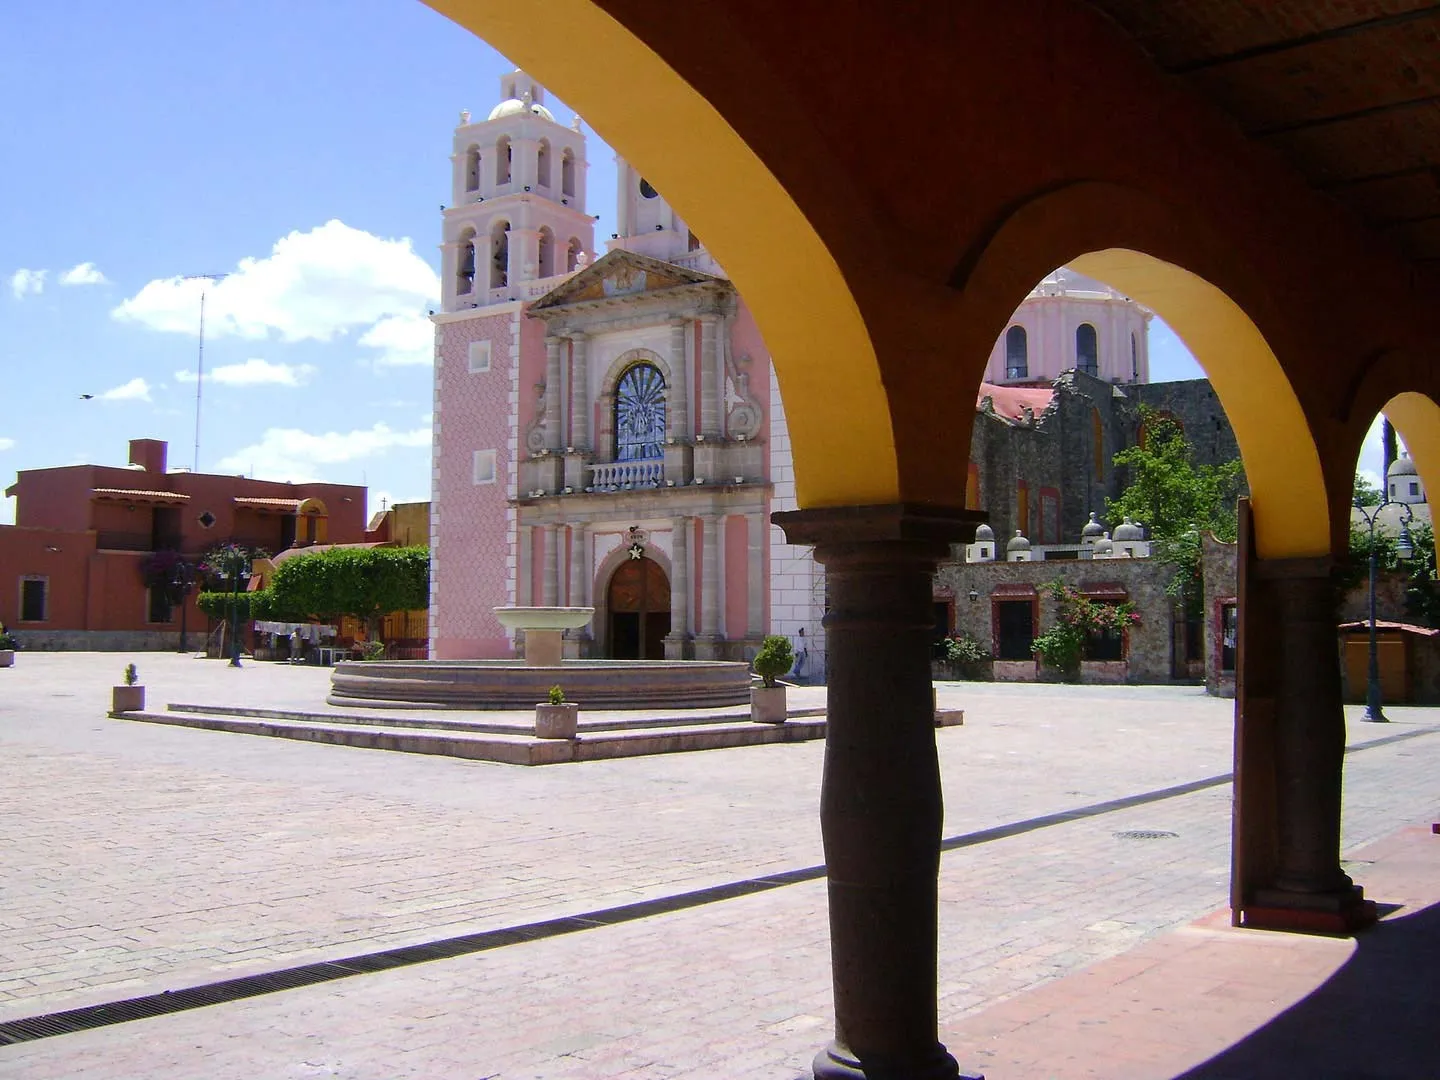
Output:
x=835 y=403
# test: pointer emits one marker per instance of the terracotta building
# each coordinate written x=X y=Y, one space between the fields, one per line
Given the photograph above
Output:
x=71 y=565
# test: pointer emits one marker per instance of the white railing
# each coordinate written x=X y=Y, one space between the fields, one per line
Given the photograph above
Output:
x=626 y=475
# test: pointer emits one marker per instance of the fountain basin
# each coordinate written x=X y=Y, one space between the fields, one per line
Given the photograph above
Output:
x=511 y=684
x=544 y=629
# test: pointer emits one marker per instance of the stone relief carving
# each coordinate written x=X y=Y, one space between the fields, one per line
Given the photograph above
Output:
x=535 y=433
x=743 y=412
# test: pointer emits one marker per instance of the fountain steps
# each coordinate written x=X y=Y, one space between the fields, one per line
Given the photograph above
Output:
x=513 y=746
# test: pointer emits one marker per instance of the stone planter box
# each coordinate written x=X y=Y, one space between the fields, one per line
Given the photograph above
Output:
x=7 y=657
x=767 y=704
x=127 y=699
x=557 y=721
x=1016 y=670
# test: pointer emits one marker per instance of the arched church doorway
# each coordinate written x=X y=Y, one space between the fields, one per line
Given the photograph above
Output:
x=639 y=609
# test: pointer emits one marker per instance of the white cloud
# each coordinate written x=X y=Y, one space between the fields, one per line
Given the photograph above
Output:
x=84 y=274
x=406 y=340
x=25 y=283
x=137 y=389
x=313 y=286
x=254 y=372
x=292 y=454
x=6 y=444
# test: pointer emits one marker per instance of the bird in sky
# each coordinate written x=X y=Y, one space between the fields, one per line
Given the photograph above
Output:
x=86 y=397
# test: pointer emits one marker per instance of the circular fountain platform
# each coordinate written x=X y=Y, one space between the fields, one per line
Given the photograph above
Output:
x=511 y=684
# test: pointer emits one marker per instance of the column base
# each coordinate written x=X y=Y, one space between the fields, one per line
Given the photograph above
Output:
x=709 y=647
x=1342 y=912
x=835 y=1062
x=677 y=647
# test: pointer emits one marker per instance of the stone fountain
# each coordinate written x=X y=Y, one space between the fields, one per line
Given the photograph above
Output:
x=521 y=684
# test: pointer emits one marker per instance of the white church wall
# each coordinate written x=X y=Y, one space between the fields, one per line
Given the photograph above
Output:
x=797 y=581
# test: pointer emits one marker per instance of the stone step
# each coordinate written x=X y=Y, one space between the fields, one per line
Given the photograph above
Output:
x=512 y=748
x=480 y=725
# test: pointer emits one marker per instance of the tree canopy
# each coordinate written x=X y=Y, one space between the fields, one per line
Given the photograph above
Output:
x=1176 y=498
x=1366 y=492
x=366 y=583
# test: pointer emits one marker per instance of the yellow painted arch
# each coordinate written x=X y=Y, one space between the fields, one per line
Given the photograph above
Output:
x=1287 y=484
x=1417 y=419
x=835 y=403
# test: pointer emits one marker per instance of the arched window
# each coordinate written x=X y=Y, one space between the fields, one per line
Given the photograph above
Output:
x=502 y=160
x=1087 y=350
x=472 y=169
x=1017 y=353
x=542 y=164
x=465 y=263
x=567 y=172
x=500 y=255
x=1134 y=358
x=572 y=254
x=547 y=252
x=640 y=414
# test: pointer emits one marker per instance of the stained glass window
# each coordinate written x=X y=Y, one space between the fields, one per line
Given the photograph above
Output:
x=640 y=414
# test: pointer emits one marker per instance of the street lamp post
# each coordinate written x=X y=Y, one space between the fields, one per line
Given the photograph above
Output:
x=1374 y=712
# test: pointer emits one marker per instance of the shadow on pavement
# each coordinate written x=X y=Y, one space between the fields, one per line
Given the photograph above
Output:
x=1374 y=1019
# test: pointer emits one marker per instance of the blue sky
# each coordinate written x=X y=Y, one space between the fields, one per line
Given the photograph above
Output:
x=302 y=148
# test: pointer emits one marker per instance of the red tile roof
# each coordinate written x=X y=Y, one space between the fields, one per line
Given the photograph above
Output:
x=1010 y=401
x=137 y=493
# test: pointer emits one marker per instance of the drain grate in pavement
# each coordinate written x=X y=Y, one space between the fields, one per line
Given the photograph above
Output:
x=1146 y=834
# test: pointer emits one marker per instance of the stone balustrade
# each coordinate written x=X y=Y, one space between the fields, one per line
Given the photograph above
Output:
x=626 y=475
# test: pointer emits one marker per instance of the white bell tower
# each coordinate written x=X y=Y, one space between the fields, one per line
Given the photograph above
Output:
x=517 y=205
x=645 y=222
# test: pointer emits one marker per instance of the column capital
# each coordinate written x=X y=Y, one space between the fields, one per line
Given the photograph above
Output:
x=880 y=523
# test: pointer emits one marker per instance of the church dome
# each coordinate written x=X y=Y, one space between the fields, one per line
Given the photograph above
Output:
x=1129 y=530
x=983 y=534
x=1103 y=546
x=516 y=107
x=1018 y=542
x=1092 y=530
x=1402 y=466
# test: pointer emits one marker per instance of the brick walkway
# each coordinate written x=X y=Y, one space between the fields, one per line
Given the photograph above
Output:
x=141 y=859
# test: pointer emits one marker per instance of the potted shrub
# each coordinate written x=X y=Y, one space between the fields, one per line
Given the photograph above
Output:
x=767 y=701
x=8 y=645
x=131 y=696
x=556 y=718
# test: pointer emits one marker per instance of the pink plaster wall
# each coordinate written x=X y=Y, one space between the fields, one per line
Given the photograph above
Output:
x=472 y=413
x=737 y=575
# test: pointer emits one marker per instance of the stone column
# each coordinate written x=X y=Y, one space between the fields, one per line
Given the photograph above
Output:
x=677 y=401
x=523 y=578
x=550 y=576
x=755 y=576
x=580 y=437
x=554 y=391
x=710 y=599
x=880 y=803
x=1309 y=763
x=579 y=568
x=679 y=636
x=709 y=379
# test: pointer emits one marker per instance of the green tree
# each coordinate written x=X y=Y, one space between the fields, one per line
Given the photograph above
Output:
x=1422 y=597
x=1176 y=498
x=367 y=583
x=1366 y=493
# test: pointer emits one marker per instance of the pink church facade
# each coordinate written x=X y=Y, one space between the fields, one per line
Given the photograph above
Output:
x=609 y=432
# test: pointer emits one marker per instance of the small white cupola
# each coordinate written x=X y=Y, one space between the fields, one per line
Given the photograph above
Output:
x=1403 y=483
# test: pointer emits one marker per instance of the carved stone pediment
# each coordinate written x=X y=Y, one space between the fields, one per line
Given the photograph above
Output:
x=618 y=275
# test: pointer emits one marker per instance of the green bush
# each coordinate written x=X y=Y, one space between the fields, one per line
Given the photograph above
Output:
x=775 y=658
x=132 y=676
x=371 y=650
x=7 y=640
x=557 y=696
x=967 y=655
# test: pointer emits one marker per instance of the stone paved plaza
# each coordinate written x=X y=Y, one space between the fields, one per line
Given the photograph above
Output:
x=140 y=858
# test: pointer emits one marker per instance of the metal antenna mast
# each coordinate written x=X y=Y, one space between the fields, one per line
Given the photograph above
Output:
x=200 y=358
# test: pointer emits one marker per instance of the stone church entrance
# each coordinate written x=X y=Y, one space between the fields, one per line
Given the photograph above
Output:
x=639 y=607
